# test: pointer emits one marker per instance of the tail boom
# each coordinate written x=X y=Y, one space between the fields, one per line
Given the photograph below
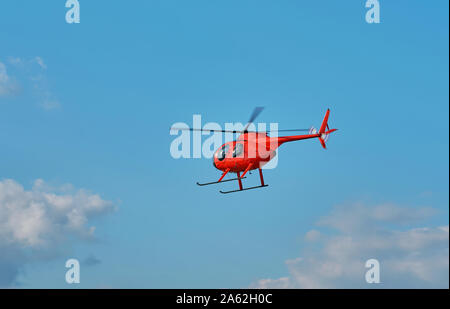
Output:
x=322 y=134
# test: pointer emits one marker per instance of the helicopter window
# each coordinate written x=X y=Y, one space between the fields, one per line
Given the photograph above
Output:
x=238 y=149
x=222 y=152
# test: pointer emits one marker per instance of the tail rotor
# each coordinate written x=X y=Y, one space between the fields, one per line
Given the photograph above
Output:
x=324 y=130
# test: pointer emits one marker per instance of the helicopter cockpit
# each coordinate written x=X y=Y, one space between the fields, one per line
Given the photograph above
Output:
x=222 y=152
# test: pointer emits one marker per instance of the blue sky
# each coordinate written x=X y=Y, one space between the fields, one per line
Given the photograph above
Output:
x=96 y=114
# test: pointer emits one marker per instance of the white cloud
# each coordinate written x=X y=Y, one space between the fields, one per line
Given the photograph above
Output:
x=359 y=217
x=49 y=103
x=41 y=220
x=409 y=257
x=7 y=85
x=15 y=60
x=91 y=260
x=281 y=283
x=30 y=73
x=40 y=62
x=312 y=235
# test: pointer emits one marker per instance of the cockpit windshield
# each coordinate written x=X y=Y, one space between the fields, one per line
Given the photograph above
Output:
x=220 y=155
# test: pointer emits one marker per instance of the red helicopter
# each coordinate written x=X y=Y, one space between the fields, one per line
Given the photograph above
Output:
x=252 y=150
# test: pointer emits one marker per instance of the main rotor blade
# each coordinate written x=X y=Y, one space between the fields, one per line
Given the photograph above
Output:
x=206 y=130
x=236 y=131
x=255 y=114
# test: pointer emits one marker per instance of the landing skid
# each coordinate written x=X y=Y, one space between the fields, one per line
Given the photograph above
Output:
x=244 y=189
x=214 y=182
x=239 y=179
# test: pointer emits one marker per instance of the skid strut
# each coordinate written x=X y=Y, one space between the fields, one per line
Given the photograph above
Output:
x=250 y=188
x=220 y=179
